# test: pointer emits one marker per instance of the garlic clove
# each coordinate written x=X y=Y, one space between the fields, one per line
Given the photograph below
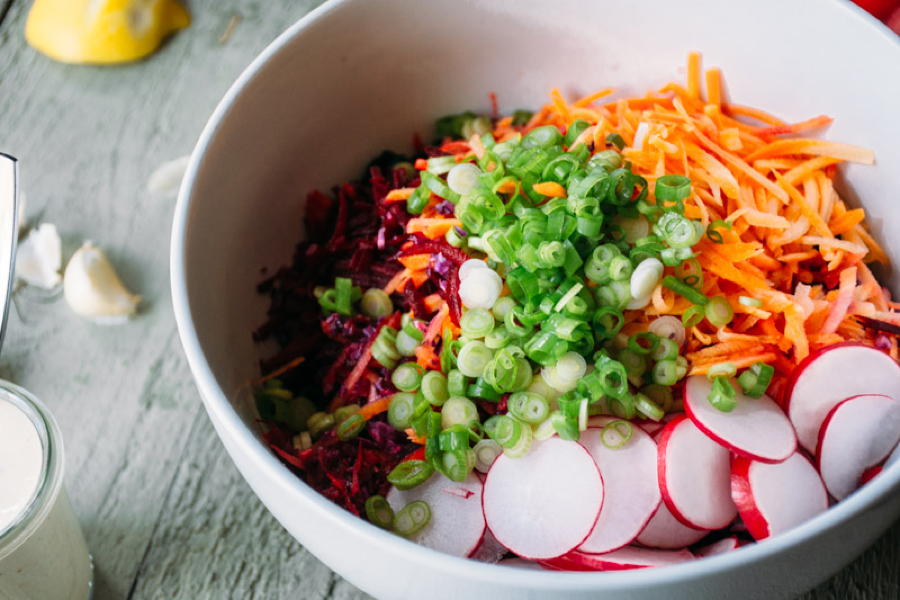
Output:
x=93 y=288
x=39 y=257
x=166 y=179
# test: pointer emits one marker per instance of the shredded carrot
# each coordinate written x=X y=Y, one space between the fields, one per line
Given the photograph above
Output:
x=399 y=194
x=591 y=98
x=374 y=408
x=415 y=262
x=714 y=86
x=550 y=188
x=740 y=362
x=842 y=302
x=280 y=370
x=432 y=228
x=433 y=302
x=847 y=221
x=814 y=123
x=815 y=148
x=693 y=75
x=398 y=281
x=411 y=436
x=421 y=164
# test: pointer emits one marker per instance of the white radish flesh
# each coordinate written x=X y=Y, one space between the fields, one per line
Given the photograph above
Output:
x=457 y=521
x=668 y=533
x=545 y=503
x=630 y=491
x=773 y=498
x=626 y=558
x=720 y=547
x=837 y=372
x=859 y=433
x=694 y=476
x=756 y=428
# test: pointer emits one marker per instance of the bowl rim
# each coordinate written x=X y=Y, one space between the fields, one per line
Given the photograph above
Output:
x=227 y=420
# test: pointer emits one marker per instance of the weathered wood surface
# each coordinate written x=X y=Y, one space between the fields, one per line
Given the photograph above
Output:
x=165 y=512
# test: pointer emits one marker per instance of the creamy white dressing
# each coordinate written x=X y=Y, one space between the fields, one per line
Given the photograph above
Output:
x=21 y=462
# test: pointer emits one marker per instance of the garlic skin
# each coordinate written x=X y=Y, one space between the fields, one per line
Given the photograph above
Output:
x=39 y=257
x=93 y=288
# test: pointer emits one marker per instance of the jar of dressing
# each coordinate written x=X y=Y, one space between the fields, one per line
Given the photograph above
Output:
x=42 y=551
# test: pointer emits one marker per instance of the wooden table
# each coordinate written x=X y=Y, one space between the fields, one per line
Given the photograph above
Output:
x=164 y=510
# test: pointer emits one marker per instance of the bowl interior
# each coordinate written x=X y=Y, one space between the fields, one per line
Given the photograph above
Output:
x=362 y=76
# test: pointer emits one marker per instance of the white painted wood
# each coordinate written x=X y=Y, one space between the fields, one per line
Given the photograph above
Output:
x=164 y=510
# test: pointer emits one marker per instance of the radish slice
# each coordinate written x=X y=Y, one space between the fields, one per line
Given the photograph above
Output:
x=457 y=522
x=756 y=428
x=721 y=547
x=630 y=491
x=694 y=476
x=774 y=498
x=829 y=376
x=629 y=557
x=489 y=550
x=859 y=433
x=668 y=533
x=520 y=563
x=545 y=503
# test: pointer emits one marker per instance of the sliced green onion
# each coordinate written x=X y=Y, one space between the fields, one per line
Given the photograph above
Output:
x=666 y=350
x=486 y=451
x=376 y=303
x=616 y=434
x=722 y=395
x=608 y=160
x=712 y=230
x=409 y=474
x=719 y=312
x=693 y=316
x=522 y=446
x=748 y=301
x=635 y=363
x=542 y=137
x=407 y=377
x=379 y=512
x=401 y=410
x=565 y=427
x=434 y=388
x=529 y=407
x=502 y=306
x=672 y=189
x=412 y=518
x=473 y=358
x=607 y=322
x=384 y=349
x=623 y=407
x=725 y=369
x=504 y=429
x=677 y=230
x=661 y=395
x=684 y=290
x=456 y=464
x=755 y=380
x=456 y=383
x=646 y=407
x=690 y=272
x=612 y=376
x=406 y=345
x=350 y=427
x=614 y=139
x=458 y=410
x=498 y=338
x=476 y=322
x=408 y=326
x=643 y=343
x=319 y=422
x=665 y=372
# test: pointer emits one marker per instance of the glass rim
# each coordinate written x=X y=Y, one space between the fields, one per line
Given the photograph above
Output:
x=50 y=479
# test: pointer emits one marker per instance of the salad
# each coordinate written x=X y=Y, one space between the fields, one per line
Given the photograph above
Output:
x=611 y=333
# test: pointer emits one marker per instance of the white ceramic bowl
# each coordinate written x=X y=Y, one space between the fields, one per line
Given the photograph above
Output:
x=357 y=76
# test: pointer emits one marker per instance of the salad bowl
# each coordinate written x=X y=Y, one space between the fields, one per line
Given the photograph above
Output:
x=358 y=76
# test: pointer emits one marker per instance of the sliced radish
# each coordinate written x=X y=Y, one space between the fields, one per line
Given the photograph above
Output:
x=457 y=522
x=771 y=498
x=893 y=458
x=668 y=533
x=651 y=427
x=720 y=547
x=520 y=563
x=829 y=376
x=859 y=433
x=545 y=503
x=630 y=491
x=756 y=428
x=694 y=476
x=870 y=474
x=629 y=557
x=489 y=550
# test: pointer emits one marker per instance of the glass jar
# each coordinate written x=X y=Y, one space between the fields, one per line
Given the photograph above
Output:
x=42 y=551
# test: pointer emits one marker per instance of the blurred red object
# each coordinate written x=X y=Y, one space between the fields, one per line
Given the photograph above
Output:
x=884 y=10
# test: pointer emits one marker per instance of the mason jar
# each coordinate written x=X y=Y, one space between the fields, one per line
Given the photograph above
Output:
x=43 y=554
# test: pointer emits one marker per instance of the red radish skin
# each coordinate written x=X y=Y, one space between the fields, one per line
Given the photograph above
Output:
x=629 y=557
x=694 y=474
x=858 y=434
x=489 y=550
x=757 y=428
x=545 y=503
x=720 y=547
x=832 y=374
x=630 y=490
x=457 y=524
x=773 y=498
x=870 y=474
x=668 y=533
